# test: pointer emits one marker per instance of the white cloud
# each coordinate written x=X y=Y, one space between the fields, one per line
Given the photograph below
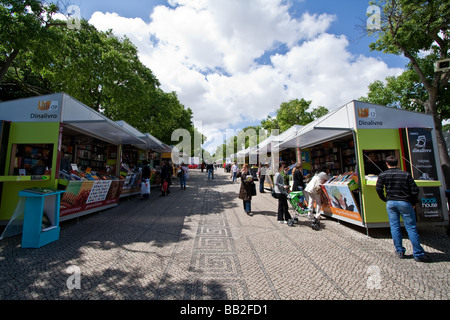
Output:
x=206 y=51
x=322 y=70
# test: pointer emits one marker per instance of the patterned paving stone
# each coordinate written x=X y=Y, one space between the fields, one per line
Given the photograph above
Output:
x=200 y=245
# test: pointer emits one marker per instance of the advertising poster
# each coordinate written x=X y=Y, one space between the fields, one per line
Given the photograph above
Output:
x=132 y=183
x=342 y=202
x=421 y=153
x=429 y=207
x=85 y=195
x=99 y=191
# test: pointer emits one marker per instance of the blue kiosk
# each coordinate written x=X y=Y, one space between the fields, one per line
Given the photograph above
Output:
x=41 y=218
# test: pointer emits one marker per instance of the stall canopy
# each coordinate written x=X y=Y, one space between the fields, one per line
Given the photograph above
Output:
x=150 y=142
x=334 y=125
x=80 y=117
x=266 y=145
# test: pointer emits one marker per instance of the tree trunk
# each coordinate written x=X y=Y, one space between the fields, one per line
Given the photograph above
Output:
x=443 y=154
x=5 y=65
x=441 y=145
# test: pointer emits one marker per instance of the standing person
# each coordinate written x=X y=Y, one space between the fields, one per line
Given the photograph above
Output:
x=281 y=190
x=313 y=192
x=245 y=193
x=401 y=195
x=165 y=179
x=182 y=174
x=262 y=176
x=234 y=170
x=299 y=184
x=145 y=178
x=170 y=167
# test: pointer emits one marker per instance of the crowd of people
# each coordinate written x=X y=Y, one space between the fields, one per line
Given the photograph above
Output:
x=394 y=186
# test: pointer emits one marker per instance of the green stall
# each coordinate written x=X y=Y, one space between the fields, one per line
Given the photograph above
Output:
x=57 y=142
x=353 y=141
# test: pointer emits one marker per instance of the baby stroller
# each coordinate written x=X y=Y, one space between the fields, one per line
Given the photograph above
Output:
x=296 y=198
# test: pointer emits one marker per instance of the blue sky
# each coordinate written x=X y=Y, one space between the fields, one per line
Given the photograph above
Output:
x=233 y=62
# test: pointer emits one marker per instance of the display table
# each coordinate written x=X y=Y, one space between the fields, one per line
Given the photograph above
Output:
x=41 y=218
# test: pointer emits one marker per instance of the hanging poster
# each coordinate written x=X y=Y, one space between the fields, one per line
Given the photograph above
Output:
x=421 y=153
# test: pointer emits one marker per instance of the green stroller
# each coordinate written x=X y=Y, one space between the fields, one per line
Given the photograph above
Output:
x=297 y=200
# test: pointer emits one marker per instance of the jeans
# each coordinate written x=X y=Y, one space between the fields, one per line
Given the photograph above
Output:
x=395 y=209
x=247 y=206
x=283 y=209
x=210 y=172
x=183 y=182
x=261 y=183
x=234 y=176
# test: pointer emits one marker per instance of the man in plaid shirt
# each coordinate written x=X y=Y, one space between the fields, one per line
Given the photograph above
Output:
x=401 y=196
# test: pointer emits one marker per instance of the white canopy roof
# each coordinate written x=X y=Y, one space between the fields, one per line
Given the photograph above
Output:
x=80 y=117
x=150 y=142
x=355 y=115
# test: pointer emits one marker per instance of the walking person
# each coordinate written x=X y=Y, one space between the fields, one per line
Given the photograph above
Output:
x=182 y=174
x=210 y=168
x=313 y=192
x=245 y=193
x=234 y=171
x=401 y=196
x=280 y=189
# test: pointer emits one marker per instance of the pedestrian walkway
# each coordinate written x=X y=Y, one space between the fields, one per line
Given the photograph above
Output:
x=198 y=244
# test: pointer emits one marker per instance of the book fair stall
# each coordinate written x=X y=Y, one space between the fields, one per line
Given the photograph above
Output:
x=353 y=141
x=55 y=142
x=132 y=157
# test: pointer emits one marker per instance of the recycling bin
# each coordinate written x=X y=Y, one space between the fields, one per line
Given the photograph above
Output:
x=41 y=217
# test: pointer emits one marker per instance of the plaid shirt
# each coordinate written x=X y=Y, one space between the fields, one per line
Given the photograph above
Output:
x=399 y=186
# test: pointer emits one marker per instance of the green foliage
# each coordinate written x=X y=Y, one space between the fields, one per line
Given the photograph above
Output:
x=294 y=112
x=418 y=29
x=97 y=68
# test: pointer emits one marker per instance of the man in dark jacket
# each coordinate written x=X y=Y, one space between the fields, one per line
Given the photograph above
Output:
x=146 y=172
x=401 y=196
x=165 y=179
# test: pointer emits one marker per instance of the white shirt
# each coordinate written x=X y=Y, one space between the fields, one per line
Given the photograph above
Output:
x=234 y=168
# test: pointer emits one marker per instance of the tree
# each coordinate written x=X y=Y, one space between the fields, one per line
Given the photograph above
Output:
x=294 y=112
x=412 y=27
x=407 y=92
x=25 y=25
x=102 y=71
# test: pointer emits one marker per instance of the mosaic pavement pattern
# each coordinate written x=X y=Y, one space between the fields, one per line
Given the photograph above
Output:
x=199 y=244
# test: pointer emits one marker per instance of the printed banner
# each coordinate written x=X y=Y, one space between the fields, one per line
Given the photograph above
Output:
x=429 y=207
x=342 y=202
x=421 y=152
x=85 y=195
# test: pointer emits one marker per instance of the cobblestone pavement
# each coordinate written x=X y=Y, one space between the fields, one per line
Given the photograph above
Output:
x=199 y=244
